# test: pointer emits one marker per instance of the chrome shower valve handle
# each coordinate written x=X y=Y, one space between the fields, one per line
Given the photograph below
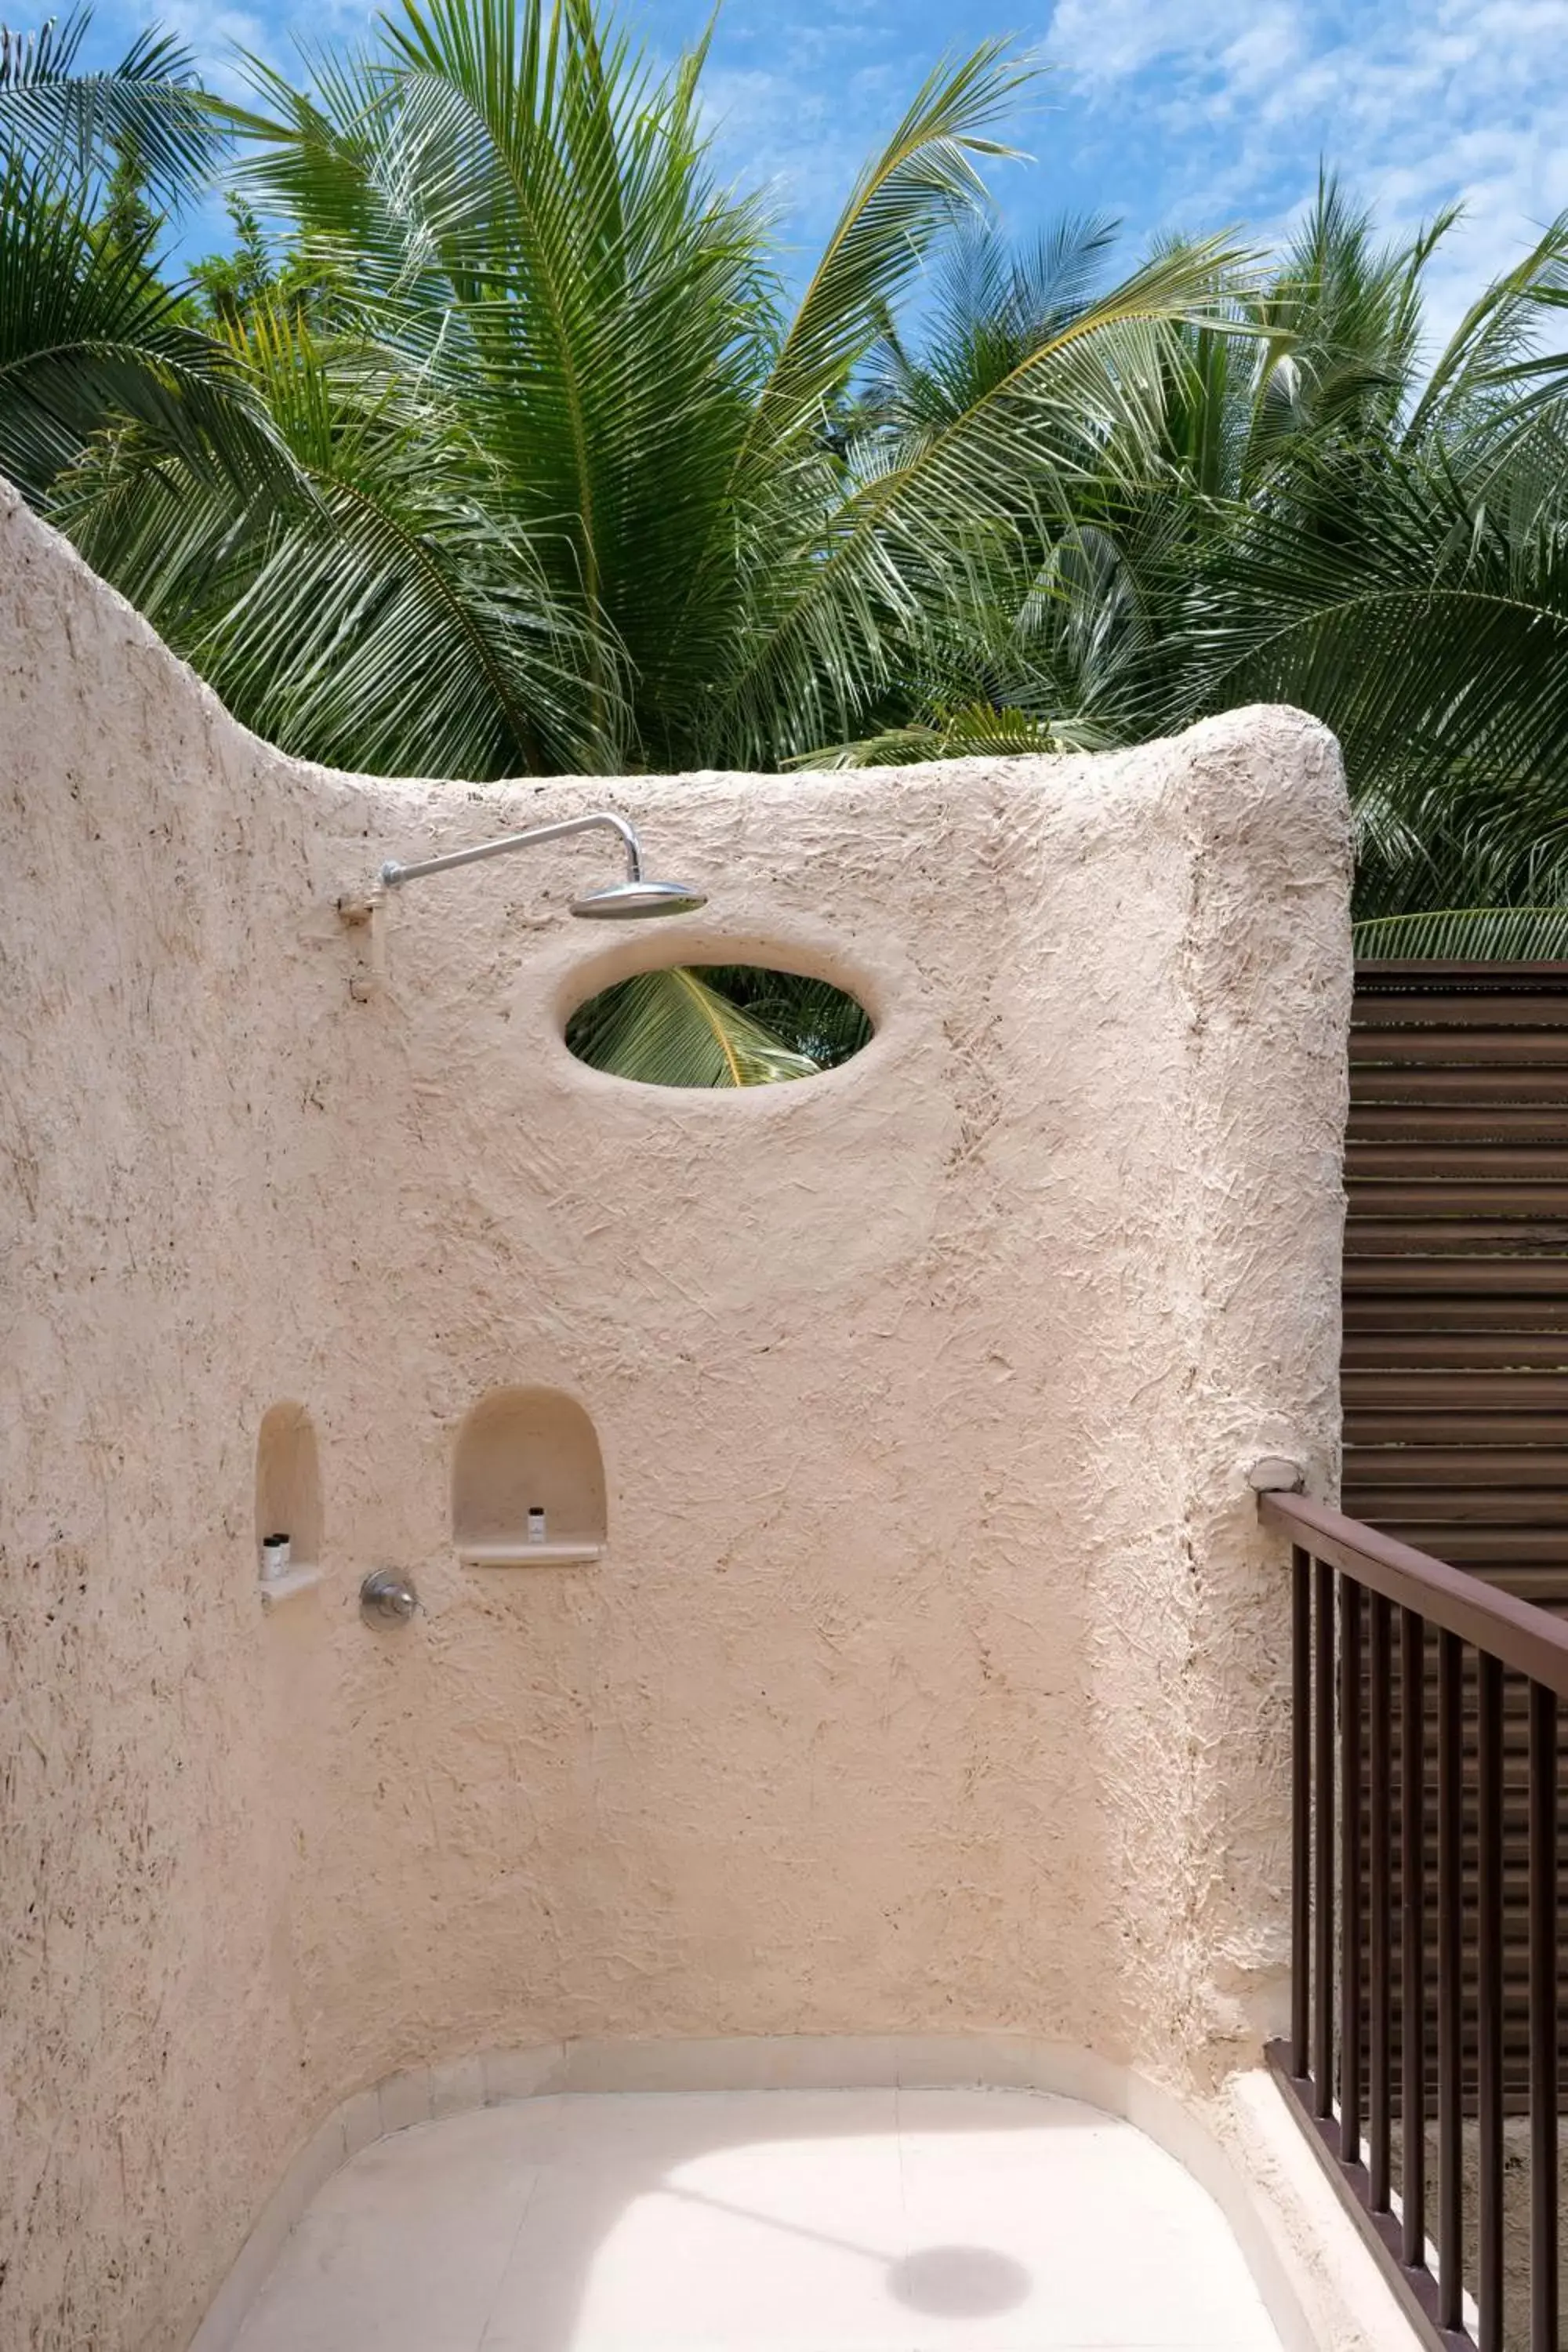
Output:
x=388 y=1596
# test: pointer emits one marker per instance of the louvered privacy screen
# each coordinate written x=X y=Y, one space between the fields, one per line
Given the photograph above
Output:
x=1456 y=1296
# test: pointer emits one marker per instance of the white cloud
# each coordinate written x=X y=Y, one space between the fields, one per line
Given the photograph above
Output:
x=1417 y=102
x=800 y=126
x=217 y=37
x=1105 y=41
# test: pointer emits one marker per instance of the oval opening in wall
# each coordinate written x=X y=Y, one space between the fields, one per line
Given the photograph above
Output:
x=731 y=1024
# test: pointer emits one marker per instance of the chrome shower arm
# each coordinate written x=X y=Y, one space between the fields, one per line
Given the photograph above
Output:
x=391 y=873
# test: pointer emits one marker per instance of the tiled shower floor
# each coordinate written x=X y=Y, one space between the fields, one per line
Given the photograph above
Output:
x=763 y=2222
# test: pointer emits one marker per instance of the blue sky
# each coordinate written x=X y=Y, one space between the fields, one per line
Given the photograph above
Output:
x=1166 y=113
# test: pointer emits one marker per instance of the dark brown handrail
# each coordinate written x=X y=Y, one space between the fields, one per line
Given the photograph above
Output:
x=1521 y=1636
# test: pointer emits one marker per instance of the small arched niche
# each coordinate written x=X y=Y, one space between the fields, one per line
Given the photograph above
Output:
x=288 y=1487
x=522 y=1451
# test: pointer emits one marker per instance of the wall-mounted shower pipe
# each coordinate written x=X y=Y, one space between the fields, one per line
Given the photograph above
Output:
x=633 y=897
x=391 y=873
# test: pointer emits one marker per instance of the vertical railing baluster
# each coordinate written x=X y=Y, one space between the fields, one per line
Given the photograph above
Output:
x=1350 y=1869
x=1412 y=1936
x=1488 y=2002
x=1301 y=1806
x=1381 y=1947
x=1543 y=2018
x=1380 y=1705
x=1450 y=1990
x=1323 y=1840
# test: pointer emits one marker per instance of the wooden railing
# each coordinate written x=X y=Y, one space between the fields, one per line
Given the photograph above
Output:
x=1418 y=1820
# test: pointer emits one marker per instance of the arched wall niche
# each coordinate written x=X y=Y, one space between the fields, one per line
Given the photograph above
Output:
x=522 y=1450
x=288 y=1483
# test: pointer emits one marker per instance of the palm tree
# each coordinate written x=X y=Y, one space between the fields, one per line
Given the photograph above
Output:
x=84 y=124
x=1331 y=524
x=1410 y=584
x=576 y=493
x=91 y=338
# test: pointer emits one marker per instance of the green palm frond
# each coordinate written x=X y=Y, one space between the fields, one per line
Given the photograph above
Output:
x=1082 y=412
x=782 y=484
x=384 y=616
x=674 y=1029
x=811 y=1017
x=149 y=109
x=537 y=235
x=919 y=186
x=991 y=304
x=972 y=733
x=1433 y=641
x=1492 y=345
x=1345 y=314
x=91 y=337
x=1466 y=935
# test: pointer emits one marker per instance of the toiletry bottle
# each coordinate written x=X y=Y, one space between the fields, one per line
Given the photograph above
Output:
x=535 y=1524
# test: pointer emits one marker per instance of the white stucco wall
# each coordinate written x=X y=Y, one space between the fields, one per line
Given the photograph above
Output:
x=932 y=1681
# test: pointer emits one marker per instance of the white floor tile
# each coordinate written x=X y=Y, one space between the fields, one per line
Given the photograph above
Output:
x=403 y=2249
x=763 y=2222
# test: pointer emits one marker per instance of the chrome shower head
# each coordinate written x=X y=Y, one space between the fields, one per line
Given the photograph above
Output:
x=615 y=902
x=629 y=902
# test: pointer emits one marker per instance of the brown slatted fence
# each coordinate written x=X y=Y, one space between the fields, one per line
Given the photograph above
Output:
x=1456 y=1293
x=1454 y=1375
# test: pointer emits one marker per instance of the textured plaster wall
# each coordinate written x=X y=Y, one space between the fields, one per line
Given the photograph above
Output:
x=932 y=1679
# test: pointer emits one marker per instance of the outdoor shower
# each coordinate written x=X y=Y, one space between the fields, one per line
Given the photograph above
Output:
x=614 y=902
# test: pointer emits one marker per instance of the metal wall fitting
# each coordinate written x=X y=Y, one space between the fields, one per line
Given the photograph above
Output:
x=388 y=1596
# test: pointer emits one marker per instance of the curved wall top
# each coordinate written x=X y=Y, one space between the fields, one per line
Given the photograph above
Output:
x=930 y=1675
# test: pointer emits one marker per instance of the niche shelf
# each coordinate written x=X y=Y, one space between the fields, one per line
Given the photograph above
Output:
x=288 y=1499
x=522 y=1449
x=274 y=1589
x=523 y=1554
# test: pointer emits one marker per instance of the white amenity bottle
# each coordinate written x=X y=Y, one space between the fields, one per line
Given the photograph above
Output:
x=535 y=1524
